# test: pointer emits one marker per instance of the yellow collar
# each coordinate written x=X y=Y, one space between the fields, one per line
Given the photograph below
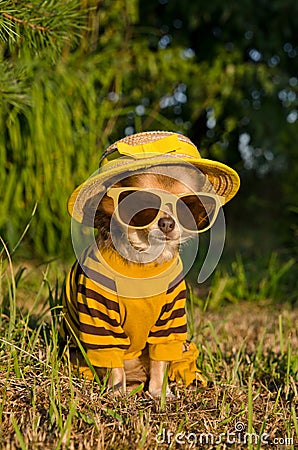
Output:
x=139 y=280
x=118 y=264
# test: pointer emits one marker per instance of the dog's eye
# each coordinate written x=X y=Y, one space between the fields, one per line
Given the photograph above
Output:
x=138 y=208
x=195 y=212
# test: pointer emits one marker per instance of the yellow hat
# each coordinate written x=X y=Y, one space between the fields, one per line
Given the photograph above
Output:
x=142 y=151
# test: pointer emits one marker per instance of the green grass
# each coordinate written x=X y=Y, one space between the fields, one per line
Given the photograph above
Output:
x=248 y=351
x=268 y=278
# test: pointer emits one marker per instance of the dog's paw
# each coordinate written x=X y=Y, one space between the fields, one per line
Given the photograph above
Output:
x=117 y=381
x=116 y=390
x=158 y=393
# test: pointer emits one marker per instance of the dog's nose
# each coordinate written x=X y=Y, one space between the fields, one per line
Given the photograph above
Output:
x=166 y=224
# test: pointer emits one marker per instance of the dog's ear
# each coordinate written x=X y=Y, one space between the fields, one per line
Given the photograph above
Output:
x=106 y=205
x=95 y=209
x=104 y=213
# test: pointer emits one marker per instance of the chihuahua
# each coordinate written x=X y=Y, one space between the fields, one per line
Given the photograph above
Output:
x=137 y=217
x=125 y=296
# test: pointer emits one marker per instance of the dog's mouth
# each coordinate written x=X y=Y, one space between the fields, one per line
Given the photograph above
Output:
x=153 y=240
x=155 y=237
x=158 y=236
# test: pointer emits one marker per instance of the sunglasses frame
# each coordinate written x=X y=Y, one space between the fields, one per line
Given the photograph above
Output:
x=166 y=199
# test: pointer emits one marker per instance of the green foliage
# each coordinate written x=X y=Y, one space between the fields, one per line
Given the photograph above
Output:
x=37 y=26
x=252 y=281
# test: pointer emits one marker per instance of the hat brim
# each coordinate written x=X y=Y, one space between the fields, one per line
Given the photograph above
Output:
x=223 y=179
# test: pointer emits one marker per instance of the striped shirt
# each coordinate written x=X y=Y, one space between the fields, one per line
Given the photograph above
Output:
x=116 y=308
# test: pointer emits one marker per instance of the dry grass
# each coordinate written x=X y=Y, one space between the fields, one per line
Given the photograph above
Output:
x=248 y=351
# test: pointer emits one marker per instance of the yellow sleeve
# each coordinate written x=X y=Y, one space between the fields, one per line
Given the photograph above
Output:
x=99 y=326
x=92 y=315
x=170 y=330
x=109 y=358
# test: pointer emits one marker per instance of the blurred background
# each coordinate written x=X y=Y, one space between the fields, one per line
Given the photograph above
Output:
x=77 y=75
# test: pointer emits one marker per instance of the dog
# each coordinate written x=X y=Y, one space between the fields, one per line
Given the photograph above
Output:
x=125 y=295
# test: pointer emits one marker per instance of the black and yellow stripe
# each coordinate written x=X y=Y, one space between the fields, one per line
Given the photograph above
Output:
x=112 y=327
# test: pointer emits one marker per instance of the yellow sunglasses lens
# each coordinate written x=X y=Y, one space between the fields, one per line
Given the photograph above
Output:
x=196 y=212
x=138 y=208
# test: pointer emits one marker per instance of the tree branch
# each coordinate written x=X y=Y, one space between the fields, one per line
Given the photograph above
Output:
x=25 y=23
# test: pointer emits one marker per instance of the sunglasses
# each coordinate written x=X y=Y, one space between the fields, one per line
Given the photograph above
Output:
x=138 y=208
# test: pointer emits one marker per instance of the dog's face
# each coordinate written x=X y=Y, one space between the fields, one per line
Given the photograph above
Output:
x=158 y=241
